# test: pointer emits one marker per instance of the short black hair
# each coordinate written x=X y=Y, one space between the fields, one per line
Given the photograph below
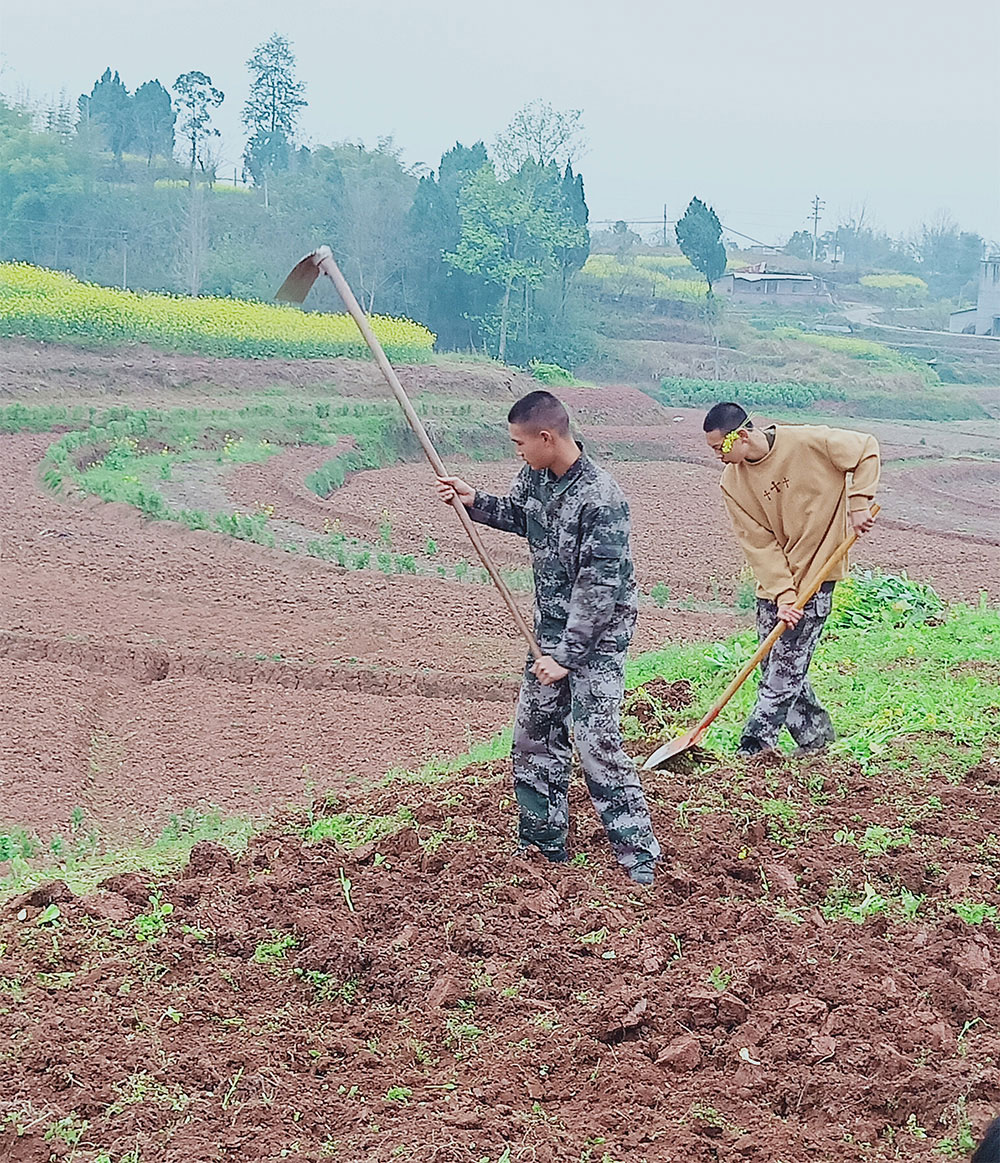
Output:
x=726 y=417
x=540 y=410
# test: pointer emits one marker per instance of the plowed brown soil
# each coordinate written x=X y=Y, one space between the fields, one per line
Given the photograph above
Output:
x=434 y=996
x=681 y=534
x=152 y=669
x=107 y=614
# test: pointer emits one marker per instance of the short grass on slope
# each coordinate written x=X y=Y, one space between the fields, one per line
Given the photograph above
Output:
x=903 y=676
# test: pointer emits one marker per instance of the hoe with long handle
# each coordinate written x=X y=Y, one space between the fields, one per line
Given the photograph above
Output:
x=294 y=290
x=693 y=737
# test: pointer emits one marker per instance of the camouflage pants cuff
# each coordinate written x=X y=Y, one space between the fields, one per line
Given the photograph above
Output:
x=534 y=826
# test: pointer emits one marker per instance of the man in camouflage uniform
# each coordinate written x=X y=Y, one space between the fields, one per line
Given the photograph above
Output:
x=576 y=521
x=792 y=493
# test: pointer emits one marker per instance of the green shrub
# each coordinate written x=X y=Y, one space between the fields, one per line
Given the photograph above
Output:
x=660 y=593
x=551 y=373
x=869 y=595
x=681 y=392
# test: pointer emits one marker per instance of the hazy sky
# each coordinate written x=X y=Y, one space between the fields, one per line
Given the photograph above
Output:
x=753 y=106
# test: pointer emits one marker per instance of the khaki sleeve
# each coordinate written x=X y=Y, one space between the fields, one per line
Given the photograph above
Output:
x=856 y=453
x=763 y=553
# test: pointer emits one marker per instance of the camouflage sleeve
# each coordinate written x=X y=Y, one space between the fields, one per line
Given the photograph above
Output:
x=604 y=555
x=506 y=513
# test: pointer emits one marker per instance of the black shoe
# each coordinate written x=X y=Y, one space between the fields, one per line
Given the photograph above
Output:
x=642 y=873
x=552 y=855
x=812 y=749
x=756 y=752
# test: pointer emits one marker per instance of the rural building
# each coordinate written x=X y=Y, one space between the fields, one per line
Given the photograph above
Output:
x=757 y=282
x=984 y=318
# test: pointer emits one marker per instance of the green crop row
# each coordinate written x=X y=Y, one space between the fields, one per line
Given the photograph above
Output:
x=681 y=392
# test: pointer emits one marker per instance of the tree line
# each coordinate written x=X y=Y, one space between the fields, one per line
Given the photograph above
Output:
x=483 y=249
x=939 y=252
x=124 y=188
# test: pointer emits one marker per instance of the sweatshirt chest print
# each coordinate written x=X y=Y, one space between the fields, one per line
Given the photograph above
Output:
x=775 y=487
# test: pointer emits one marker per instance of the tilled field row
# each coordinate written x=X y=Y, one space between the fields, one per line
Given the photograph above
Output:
x=151 y=665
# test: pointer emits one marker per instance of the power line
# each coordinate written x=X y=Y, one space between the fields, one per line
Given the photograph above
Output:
x=632 y=221
x=57 y=227
x=665 y=222
x=748 y=237
x=106 y=232
x=817 y=207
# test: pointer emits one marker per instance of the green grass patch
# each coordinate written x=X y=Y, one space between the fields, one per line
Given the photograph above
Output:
x=434 y=770
x=879 y=356
x=84 y=863
x=352 y=829
x=892 y=668
x=268 y=952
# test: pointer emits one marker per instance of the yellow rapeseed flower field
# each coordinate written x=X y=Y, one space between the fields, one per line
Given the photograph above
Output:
x=643 y=278
x=50 y=305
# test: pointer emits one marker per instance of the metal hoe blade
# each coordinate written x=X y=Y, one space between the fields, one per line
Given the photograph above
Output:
x=675 y=747
x=299 y=283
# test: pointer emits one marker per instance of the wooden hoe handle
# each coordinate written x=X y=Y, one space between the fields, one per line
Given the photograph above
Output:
x=325 y=263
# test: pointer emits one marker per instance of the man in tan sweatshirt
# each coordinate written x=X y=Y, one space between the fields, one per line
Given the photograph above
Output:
x=792 y=493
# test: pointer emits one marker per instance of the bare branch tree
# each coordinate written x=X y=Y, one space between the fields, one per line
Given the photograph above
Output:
x=540 y=134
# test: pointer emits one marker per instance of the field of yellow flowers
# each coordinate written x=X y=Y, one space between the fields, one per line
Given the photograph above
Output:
x=49 y=305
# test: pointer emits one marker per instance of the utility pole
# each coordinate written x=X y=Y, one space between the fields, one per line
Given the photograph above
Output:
x=664 y=226
x=124 y=260
x=817 y=207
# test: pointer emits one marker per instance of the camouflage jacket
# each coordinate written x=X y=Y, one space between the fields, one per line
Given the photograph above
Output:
x=577 y=526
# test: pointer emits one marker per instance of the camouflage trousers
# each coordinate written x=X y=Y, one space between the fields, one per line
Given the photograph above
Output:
x=785 y=697
x=589 y=700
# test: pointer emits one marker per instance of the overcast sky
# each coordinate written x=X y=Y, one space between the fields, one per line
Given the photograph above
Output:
x=755 y=107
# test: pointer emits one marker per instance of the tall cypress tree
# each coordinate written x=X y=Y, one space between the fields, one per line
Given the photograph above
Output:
x=699 y=235
x=109 y=108
x=154 y=116
x=572 y=258
x=452 y=297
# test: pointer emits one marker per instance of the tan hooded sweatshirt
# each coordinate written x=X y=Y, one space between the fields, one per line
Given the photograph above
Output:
x=789 y=509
